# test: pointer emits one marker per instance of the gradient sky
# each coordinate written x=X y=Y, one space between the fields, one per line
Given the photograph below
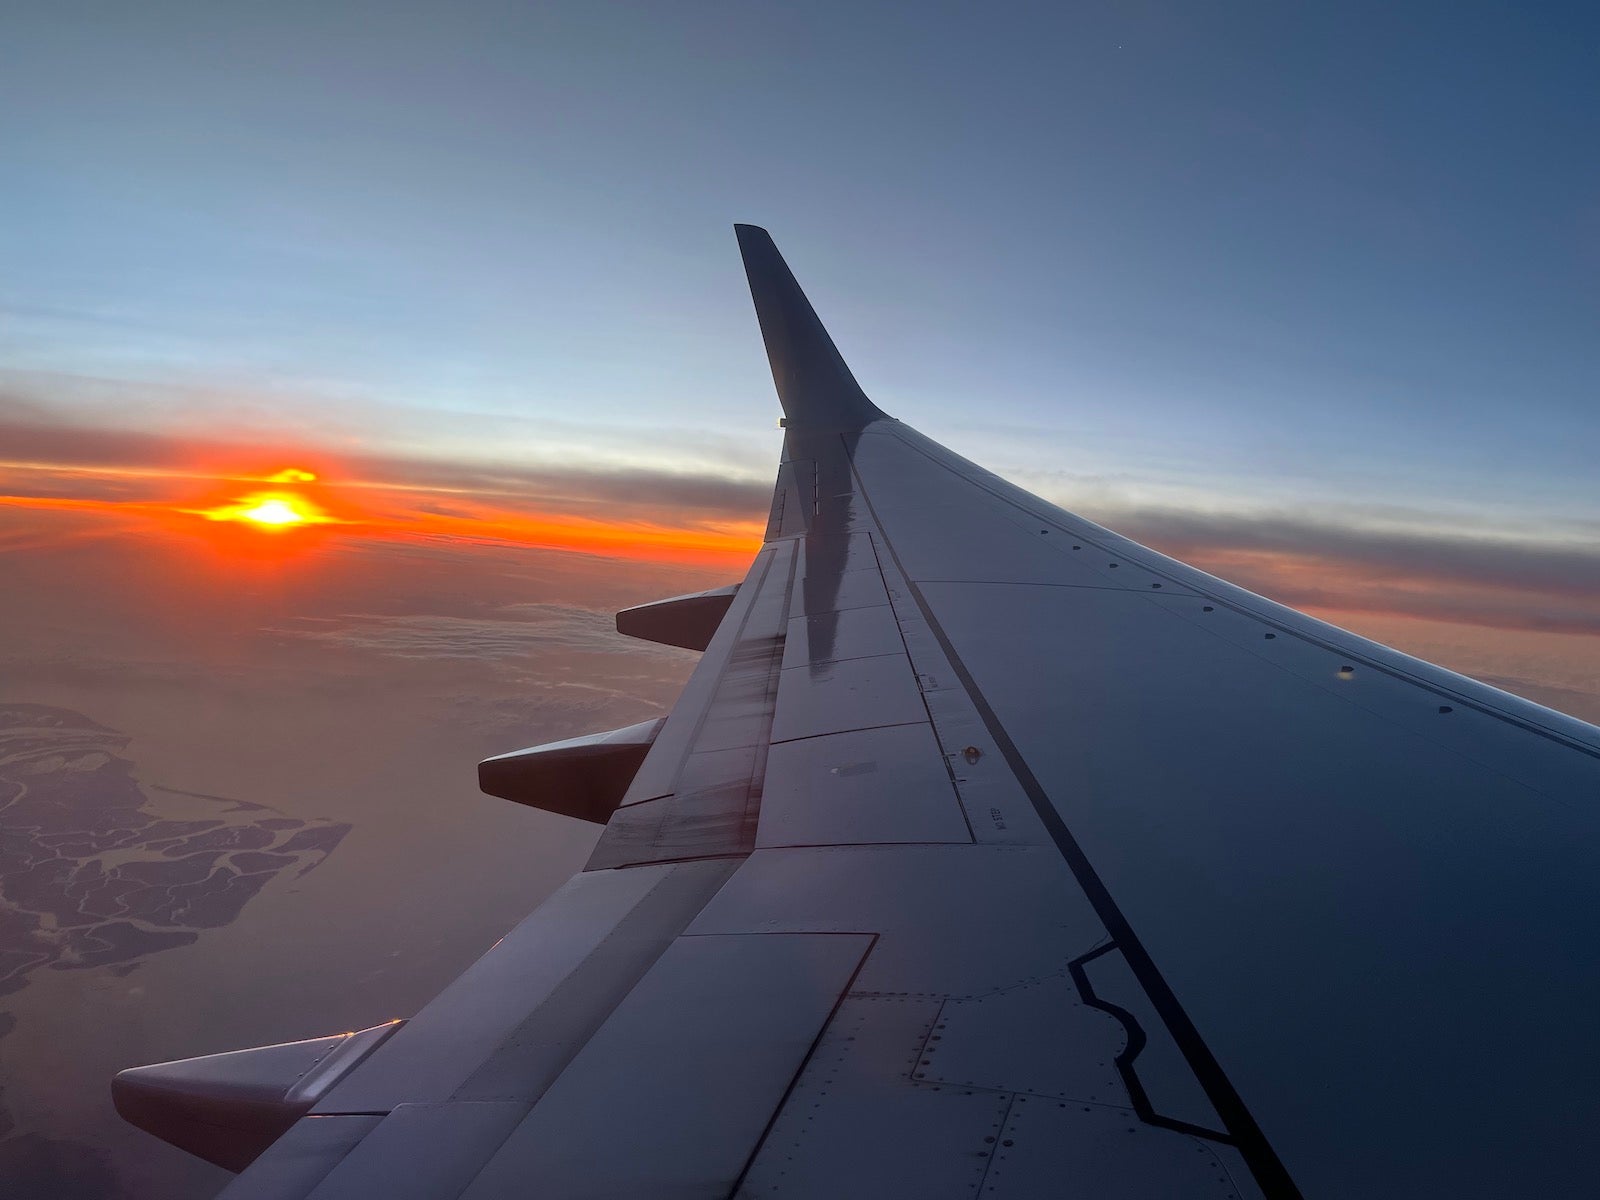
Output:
x=1232 y=256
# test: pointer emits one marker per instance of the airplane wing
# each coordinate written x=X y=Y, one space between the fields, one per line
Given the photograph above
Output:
x=988 y=853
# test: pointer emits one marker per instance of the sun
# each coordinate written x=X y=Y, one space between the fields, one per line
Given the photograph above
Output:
x=274 y=512
x=268 y=510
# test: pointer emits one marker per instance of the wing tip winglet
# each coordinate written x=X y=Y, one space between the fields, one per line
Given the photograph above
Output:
x=814 y=384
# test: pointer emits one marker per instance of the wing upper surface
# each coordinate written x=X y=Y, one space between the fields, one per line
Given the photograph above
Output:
x=1342 y=870
x=989 y=853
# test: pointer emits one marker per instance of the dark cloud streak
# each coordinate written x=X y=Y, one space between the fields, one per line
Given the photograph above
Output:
x=1497 y=560
x=1490 y=579
x=28 y=436
x=1352 y=559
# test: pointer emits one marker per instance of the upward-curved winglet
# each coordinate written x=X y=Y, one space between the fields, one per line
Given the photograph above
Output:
x=814 y=384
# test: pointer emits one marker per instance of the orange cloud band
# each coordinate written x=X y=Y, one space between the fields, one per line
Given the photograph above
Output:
x=177 y=500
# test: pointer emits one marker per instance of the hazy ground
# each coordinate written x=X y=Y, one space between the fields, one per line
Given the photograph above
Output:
x=349 y=693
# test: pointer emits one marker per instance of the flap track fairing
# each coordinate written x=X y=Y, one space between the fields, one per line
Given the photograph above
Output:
x=228 y=1108
x=583 y=777
x=688 y=621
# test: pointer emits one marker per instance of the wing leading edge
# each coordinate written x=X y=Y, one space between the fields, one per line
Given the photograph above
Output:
x=987 y=852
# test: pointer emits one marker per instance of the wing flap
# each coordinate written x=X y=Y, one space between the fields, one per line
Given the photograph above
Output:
x=745 y=1012
x=506 y=1027
x=422 y=1151
x=293 y=1166
x=699 y=789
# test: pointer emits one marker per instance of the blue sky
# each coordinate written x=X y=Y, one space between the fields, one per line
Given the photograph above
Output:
x=1234 y=256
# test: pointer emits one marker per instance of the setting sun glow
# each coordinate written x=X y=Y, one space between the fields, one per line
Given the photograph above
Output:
x=273 y=511
x=256 y=510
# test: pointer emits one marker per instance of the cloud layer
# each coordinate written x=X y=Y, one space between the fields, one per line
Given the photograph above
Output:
x=623 y=512
x=513 y=632
x=1493 y=579
x=1352 y=558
